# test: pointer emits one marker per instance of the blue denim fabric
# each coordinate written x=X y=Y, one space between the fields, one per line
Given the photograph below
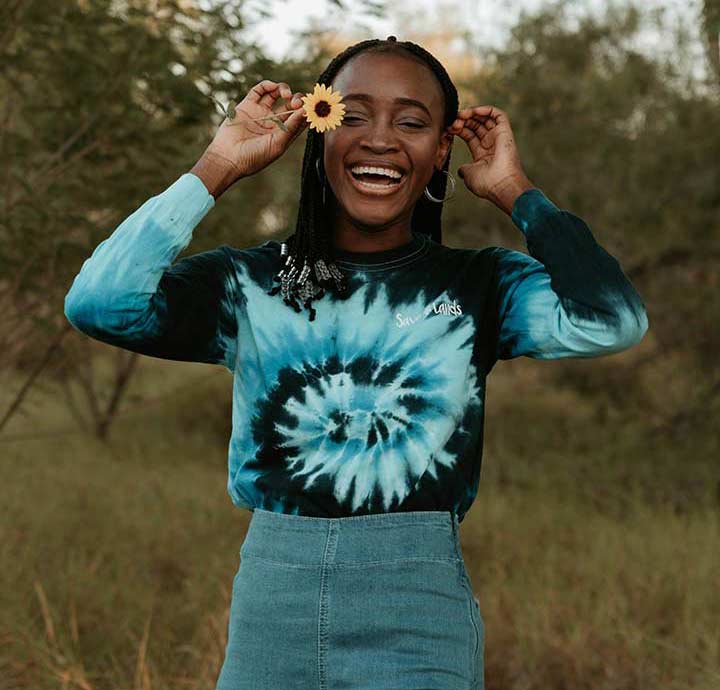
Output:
x=369 y=602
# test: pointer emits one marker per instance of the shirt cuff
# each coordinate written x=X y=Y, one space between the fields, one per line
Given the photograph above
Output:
x=531 y=207
x=187 y=200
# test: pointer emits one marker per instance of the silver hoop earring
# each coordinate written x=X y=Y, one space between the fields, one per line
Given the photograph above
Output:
x=322 y=182
x=451 y=180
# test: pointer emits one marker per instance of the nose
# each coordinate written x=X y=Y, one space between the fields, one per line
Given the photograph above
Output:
x=380 y=136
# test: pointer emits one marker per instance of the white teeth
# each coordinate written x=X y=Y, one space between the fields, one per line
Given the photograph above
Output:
x=376 y=185
x=377 y=171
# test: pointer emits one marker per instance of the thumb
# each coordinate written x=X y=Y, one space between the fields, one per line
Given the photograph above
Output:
x=297 y=119
x=461 y=172
x=292 y=127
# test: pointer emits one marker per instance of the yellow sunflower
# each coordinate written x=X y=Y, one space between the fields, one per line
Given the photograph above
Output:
x=324 y=108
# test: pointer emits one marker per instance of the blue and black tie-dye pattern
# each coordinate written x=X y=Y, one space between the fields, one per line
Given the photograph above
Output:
x=378 y=404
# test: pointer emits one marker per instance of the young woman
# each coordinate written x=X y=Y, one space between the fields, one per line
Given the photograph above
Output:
x=358 y=421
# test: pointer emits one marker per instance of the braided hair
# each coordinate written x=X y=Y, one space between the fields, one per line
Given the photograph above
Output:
x=310 y=246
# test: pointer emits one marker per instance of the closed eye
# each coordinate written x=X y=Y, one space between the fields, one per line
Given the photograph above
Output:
x=409 y=124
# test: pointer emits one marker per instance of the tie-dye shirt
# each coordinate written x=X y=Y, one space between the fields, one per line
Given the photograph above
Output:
x=378 y=404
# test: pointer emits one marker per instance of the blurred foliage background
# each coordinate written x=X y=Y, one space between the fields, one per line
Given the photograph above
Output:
x=594 y=543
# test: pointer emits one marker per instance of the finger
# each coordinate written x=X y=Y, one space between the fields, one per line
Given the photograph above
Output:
x=483 y=131
x=479 y=127
x=484 y=113
x=294 y=118
x=295 y=124
x=299 y=120
x=267 y=91
x=488 y=130
x=461 y=122
x=472 y=141
x=284 y=91
x=495 y=118
x=485 y=136
x=260 y=91
x=479 y=110
x=484 y=110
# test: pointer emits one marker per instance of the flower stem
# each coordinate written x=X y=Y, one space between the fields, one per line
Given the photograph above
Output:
x=267 y=117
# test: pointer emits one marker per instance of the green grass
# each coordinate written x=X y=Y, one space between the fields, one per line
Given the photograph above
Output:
x=593 y=549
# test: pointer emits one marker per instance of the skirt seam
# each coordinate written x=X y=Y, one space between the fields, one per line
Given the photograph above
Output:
x=345 y=564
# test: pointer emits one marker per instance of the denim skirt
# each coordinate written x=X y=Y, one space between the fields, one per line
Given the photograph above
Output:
x=371 y=602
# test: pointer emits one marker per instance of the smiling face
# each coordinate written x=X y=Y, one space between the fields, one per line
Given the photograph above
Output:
x=384 y=128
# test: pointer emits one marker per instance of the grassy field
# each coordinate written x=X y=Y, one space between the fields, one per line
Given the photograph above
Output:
x=592 y=546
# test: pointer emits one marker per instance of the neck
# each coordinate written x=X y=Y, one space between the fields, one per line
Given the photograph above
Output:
x=350 y=236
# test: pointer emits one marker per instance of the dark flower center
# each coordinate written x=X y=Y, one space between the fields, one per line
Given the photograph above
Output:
x=322 y=108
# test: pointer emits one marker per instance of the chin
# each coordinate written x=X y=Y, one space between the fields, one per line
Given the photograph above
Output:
x=371 y=218
x=373 y=213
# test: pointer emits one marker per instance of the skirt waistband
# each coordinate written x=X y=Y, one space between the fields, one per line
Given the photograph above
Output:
x=355 y=540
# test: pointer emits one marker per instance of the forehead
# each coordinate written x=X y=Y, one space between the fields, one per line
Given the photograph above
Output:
x=386 y=76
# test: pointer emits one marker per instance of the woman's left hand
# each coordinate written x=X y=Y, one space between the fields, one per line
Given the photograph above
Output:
x=496 y=172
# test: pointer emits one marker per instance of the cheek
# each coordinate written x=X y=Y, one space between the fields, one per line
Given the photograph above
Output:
x=338 y=140
x=336 y=147
x=423 y=160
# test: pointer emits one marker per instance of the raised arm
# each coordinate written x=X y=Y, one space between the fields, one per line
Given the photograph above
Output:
x=569 y=298
x=129 y=294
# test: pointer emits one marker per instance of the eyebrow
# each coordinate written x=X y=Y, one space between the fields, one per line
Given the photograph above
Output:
x=401 y=100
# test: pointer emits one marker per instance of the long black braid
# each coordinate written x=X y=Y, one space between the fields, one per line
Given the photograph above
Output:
x=311 y=243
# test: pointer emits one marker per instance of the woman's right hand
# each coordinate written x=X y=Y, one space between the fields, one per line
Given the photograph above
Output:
x=252 y=146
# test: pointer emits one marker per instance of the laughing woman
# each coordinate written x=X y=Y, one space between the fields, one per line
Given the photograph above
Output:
x=360 y=347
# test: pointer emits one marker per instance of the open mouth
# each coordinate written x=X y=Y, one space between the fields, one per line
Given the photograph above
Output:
x=376 y=185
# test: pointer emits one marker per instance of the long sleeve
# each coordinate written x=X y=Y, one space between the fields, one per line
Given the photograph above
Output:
x=569 y=297
x=129 y=294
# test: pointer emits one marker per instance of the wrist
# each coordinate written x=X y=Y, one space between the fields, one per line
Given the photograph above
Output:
x=505 y=193
x=216 y=172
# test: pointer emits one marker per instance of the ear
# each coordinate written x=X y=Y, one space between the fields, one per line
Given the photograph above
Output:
x=444 y=145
